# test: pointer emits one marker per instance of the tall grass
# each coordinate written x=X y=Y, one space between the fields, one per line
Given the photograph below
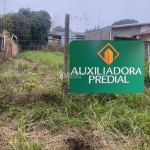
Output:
x=43 y=57
x=34 y=111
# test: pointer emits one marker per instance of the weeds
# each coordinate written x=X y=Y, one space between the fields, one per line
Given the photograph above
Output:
x=34 y=116
x=21 y=142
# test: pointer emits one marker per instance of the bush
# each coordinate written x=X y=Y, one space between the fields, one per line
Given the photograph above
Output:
x=54 y=48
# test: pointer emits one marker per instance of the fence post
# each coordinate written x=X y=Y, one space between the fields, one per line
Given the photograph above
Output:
x=66 y=54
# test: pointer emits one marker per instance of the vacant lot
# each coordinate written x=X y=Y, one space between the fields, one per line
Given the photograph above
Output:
x=33 y=115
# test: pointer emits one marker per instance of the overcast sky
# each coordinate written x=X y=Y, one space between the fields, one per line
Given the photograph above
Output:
x=85 y=13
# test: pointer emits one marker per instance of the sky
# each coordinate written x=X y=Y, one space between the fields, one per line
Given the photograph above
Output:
x=85 y=13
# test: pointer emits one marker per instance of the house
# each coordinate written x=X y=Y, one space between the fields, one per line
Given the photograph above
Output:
x=79 y=35
x=122 y=32
x=127 y=31
x=145 y=37
x=136 y=31
x=58 y=38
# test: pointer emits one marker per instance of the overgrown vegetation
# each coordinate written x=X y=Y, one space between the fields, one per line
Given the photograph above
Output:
x=30 y=27
x=35 y=117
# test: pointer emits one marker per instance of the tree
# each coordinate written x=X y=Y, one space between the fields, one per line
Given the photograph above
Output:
x=40 y=26
x=9 y=22
x=1 y=23
x=31 y=27
x=92 y=30
x=59 y=29
x=125 y=21
x=21 y=26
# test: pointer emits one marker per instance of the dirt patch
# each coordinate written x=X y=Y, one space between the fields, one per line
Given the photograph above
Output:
x=78 y=144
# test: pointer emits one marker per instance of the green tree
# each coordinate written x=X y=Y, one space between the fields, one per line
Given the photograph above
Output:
x=2 y=22
x=9 y=25
x=92 y=30
x=59 y=29
x=125 y=21
x=40 y=26
x=21 y=27
x=31 y=27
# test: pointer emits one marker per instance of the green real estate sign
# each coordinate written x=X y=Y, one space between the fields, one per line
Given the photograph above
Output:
x=106 y=66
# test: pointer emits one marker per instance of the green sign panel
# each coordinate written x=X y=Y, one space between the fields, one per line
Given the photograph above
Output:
x=106 y=66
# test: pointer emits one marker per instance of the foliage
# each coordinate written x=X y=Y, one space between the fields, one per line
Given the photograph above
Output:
x=59 y=29
x=53 y=58
x=8 y=35
x=21 y=21
x=2 y=21
x=44 y=120
x=40 y=25
x=31 y=27
x=125 y=21
x=92 y=30
x=22 y=142
x=9 y=21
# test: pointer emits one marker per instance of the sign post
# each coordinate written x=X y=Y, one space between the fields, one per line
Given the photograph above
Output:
x=66 y=51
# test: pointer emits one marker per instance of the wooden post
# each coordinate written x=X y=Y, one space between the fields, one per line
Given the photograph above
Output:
x=66 y=54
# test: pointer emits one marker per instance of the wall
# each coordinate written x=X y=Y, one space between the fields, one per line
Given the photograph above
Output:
x=125 y=31
x=145 y=37
x=62 y=40
x=101 y=34
x=15 y=49
x=2 y=56
x=129 y=31
x=8 y=50
x=11 y=49
x=145 y=28
x=72 y=36
x=147 y=48
x=2 y=53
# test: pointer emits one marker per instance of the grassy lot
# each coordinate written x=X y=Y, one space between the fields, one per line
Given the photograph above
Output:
x=33 y=115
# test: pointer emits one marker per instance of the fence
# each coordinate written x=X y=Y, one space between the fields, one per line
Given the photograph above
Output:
x=29 y=33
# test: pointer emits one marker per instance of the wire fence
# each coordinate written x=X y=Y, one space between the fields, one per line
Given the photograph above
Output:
x=80 y=23
x=35 y=33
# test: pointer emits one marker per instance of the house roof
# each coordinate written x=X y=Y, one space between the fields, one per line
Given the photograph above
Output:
x=59 y=34
x=79 y=33
x=128 y=25
x=56 y=33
